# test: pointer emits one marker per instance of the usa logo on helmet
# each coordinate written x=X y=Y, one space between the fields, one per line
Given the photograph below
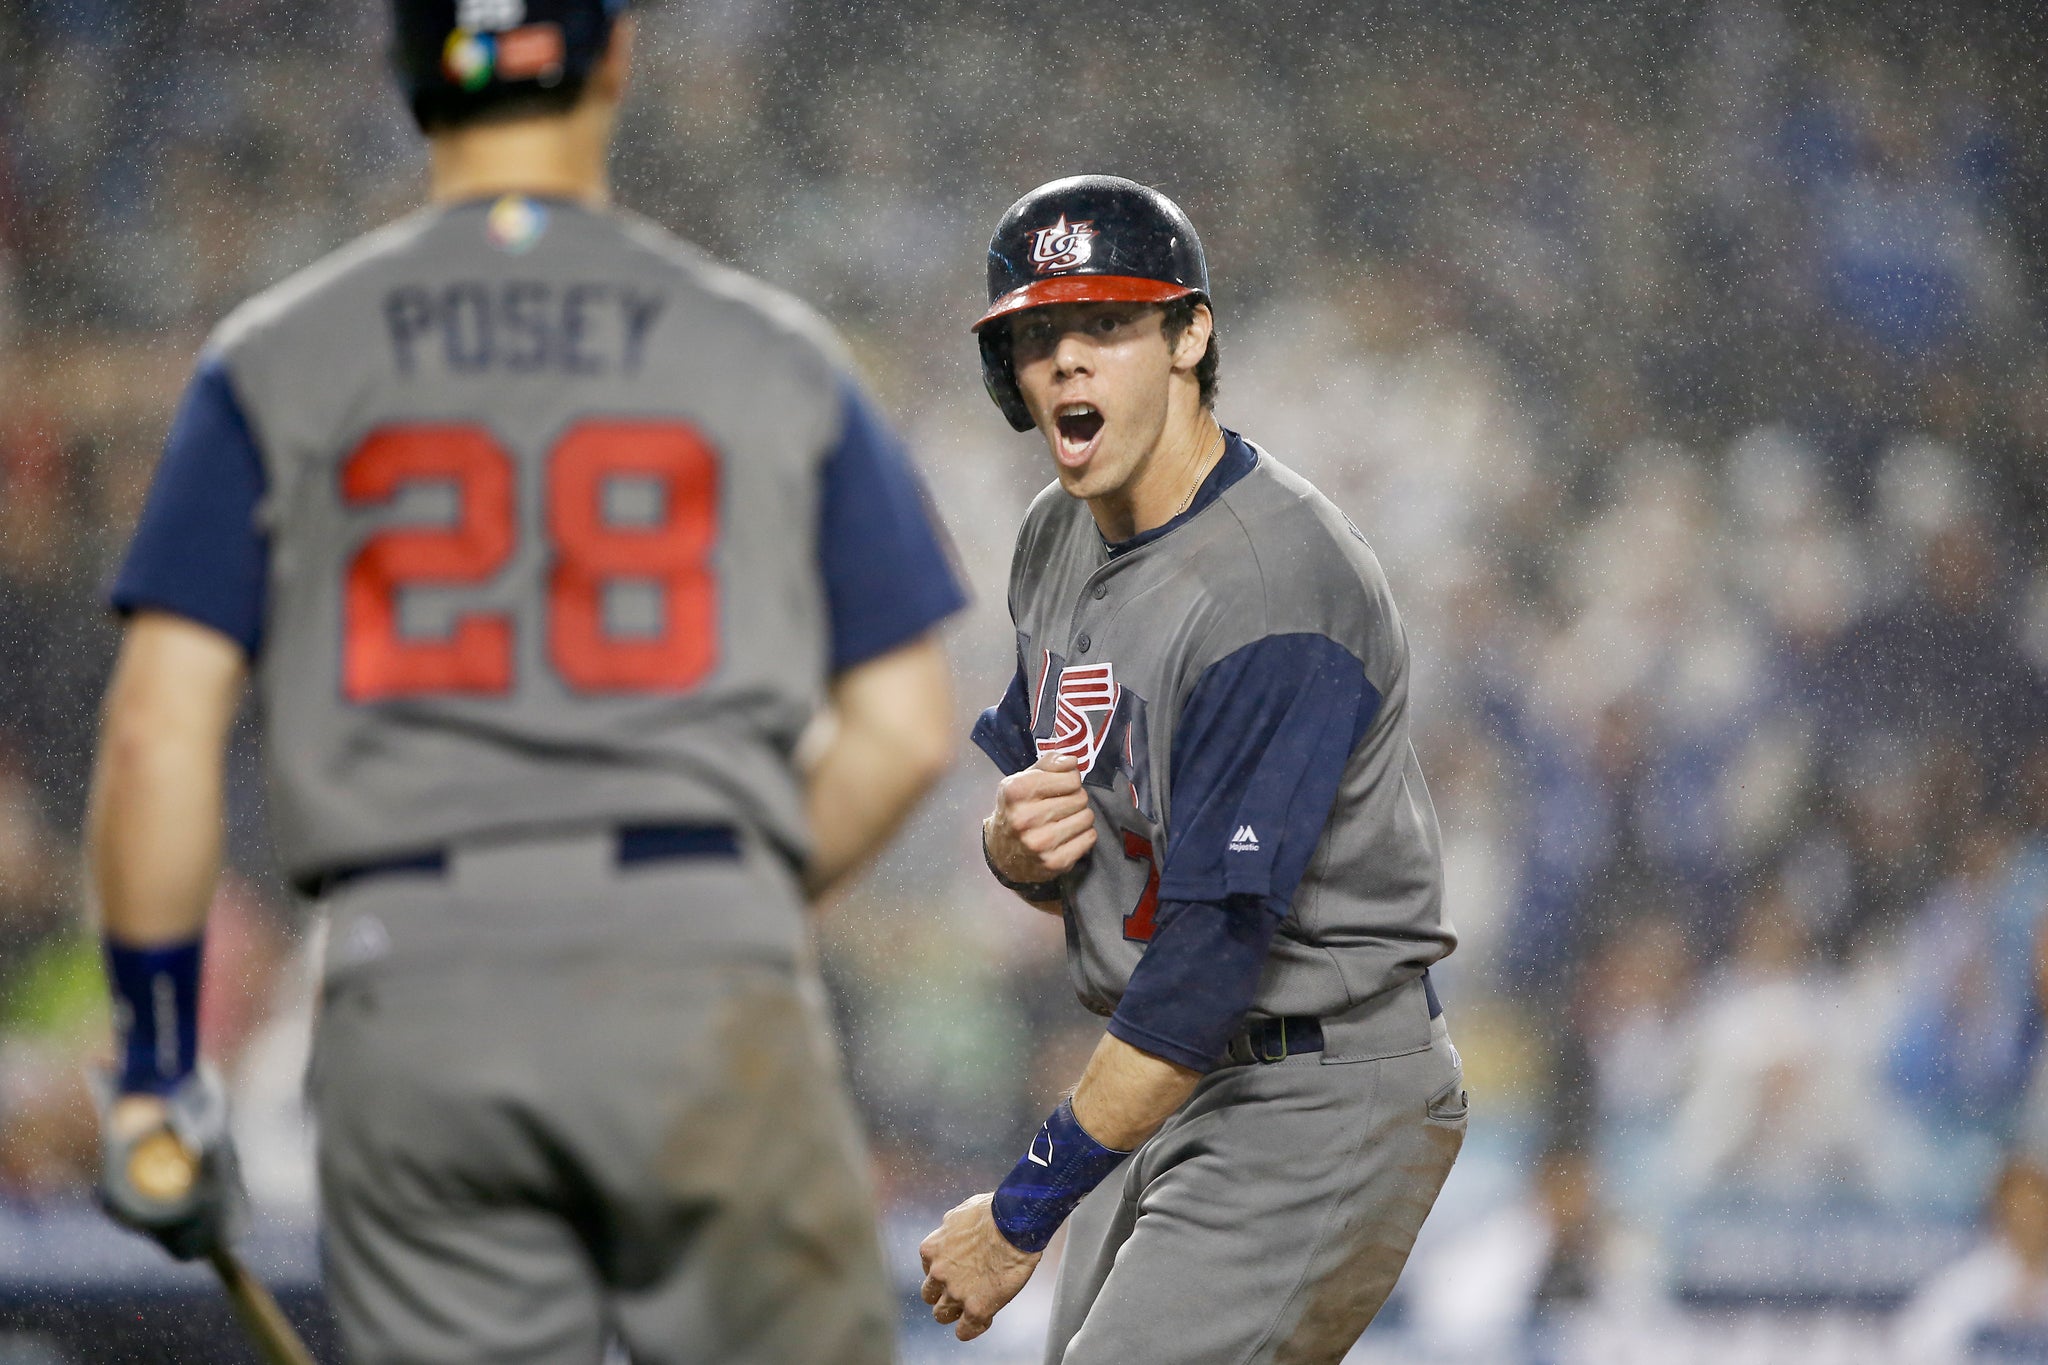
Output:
x=1062 y=246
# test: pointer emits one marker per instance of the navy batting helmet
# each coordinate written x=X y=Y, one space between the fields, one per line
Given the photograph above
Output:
x=1085 y=239
x=457 y=58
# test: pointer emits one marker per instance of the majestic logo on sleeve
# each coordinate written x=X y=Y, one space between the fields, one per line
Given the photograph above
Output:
x=1062 y=246
x=1081 y=711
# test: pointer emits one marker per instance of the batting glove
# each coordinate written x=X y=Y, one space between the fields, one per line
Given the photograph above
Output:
x=176 y=1181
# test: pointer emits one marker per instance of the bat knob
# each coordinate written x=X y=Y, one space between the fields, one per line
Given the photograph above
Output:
x=160 y=1168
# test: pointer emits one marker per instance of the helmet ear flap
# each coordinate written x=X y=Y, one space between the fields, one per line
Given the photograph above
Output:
x=999 y=377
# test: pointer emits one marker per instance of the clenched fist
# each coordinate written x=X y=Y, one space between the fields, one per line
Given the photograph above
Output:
x=1042 y=824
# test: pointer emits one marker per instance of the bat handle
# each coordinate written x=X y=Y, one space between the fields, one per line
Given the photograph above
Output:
x=163 y=1168
x=262 y=1319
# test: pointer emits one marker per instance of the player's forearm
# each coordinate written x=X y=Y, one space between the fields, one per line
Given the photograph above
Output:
x=1123 y=1098
x=154 y=831
x=1126 y=1094
x=891 y=740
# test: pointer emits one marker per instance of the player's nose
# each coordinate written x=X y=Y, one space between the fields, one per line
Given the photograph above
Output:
x=1072 y=354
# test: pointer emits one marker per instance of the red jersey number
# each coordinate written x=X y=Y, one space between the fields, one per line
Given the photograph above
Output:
x=673 y=554
x=1139 y=924
x=377 y=662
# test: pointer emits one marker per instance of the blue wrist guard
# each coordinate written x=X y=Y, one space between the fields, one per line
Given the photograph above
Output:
x=156 y=1015
x=1064 y=1163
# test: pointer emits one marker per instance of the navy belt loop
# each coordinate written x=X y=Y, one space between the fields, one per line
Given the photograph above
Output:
x=1436 y=1006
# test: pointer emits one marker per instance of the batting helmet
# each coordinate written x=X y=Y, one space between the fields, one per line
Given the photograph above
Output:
x=456 y=58
x=1085 y=239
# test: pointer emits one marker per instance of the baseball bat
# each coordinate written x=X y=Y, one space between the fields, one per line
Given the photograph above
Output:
x=161 y=1168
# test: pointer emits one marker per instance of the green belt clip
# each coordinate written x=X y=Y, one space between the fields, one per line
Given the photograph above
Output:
x=1265 y=1051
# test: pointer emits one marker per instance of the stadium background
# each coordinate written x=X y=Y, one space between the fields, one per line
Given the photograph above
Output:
x=1685 y=364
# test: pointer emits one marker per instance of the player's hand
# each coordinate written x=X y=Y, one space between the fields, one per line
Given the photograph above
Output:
x=1042 y=824
x=970 y=1269
x=167 y=1169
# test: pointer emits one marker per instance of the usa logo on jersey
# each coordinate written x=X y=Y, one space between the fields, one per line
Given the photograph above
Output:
x=1082 y=711
x=1062 y=246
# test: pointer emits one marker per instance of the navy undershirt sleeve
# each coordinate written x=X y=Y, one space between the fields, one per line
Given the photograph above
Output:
x=1257 y=758
x=888 y=568
x=1004 y=730
x=198 y=550
x=1190 y=990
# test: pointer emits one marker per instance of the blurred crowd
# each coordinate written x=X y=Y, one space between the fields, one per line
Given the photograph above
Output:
x=1687 y=369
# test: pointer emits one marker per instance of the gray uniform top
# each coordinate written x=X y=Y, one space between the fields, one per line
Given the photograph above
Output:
x=1235 y=686
x=533 y=517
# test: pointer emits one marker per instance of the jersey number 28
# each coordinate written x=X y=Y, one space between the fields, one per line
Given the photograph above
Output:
x=587 y=552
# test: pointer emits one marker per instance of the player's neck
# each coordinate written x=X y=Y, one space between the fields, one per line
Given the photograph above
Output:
x=555 y=157
x=1167 y=481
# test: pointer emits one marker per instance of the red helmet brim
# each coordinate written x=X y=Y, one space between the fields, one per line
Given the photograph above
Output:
x=1083 y=289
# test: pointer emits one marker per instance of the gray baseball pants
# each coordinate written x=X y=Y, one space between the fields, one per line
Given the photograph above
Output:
x=523 y=1153
x=1266 y=1223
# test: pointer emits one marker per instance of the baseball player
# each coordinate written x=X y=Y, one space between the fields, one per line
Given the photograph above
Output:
x=544 y=540
x=1209 y=774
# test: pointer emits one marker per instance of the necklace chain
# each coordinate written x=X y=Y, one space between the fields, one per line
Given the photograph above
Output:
x=1189 y=500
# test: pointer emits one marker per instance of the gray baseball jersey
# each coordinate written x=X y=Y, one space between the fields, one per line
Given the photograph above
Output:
x=1234 y=687
x=546 y=536
x=533 y=516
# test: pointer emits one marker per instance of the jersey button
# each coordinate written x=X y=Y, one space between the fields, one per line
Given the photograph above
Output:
x=1082 y=644
x=1101 y=591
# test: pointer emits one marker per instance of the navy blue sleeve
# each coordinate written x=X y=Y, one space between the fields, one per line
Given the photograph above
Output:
x=1004 y=730
x=1257 y=755
x=1189 y=992
x=198 y=551
x=888 y=569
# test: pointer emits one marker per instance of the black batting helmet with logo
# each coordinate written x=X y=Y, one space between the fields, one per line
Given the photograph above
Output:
x=456 y=58
x=1085 y=239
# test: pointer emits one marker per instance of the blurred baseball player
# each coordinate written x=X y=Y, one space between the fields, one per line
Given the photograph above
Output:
x=1209 y=774
x=544 y=539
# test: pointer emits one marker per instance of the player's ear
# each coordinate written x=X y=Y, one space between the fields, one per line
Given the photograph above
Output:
x=610 y=74
x=1193 y=342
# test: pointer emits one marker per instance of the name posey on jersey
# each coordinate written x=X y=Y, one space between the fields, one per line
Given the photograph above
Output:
x=521 y=327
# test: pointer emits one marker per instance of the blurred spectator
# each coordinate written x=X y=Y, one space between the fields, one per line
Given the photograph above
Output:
x=1476 y=1296
x=1970 y=1017
x=1779 y=1106
x=2000 y=1289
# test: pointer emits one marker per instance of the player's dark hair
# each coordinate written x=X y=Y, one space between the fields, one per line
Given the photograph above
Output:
x=461 y=110
x=1180 y=314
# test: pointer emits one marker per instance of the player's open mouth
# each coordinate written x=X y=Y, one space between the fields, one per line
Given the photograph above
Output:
x=1079 y=425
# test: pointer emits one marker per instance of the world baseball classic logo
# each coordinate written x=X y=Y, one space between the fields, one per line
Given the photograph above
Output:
x=1062 y=246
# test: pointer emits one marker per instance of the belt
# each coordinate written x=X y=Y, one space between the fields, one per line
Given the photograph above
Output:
x=1272 y=1040
x=636 y=844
